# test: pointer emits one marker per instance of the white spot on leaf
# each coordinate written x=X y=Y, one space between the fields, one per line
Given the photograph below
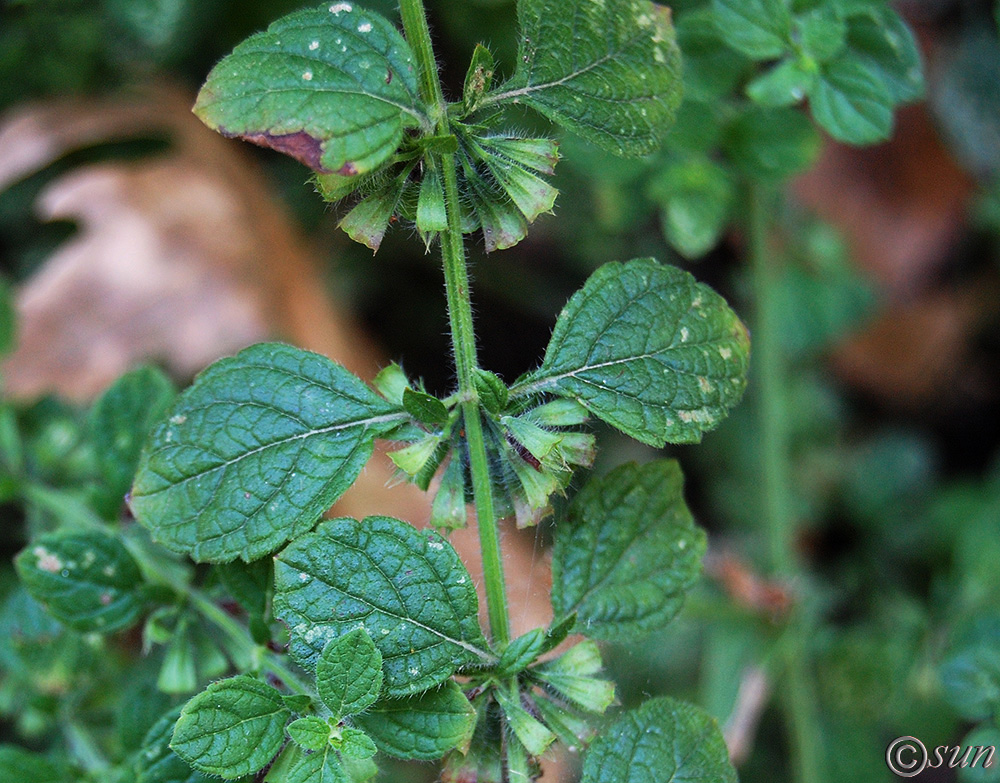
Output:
x=47 y=561
x=365 y=27
x=336 y=8
x=308 y=75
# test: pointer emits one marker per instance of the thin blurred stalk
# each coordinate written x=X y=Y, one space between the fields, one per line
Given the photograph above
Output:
x=771 y=375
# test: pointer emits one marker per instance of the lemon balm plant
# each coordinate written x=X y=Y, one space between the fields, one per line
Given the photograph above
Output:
x=339 y=642
x=385 y=652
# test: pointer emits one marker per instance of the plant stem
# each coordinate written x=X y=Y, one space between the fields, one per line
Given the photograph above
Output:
x=800 y=704
x=418 y=35
x=463 y=336
x=207 y=608
x=83 y=747
x=238 y=636
x=463 y=342
x=772 y=379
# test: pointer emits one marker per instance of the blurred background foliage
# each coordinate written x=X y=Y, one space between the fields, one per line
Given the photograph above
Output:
x=888 y=292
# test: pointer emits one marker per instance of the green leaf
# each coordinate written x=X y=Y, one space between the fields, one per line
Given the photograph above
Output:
x=648 y=349
x=358 y=770
x=249 y=583
x=356 y=744
x=883 y=41
x=970 y=671
x=18 y=764
x=290 y=756
x=323 y=766
x=529 y=730
x=572 y=676
x=821 y=32
x=583 y=659
x=757 y=28
x=786 y=84
x=349 y=673
x=852 y=102
x=772 y=143
x=626 y=553
x=448 y=510
x=367 y=222
x=493 y=392
x=407 y=589
x=662 y=741
x=711 y=69
x=697 y=197
x=391 y=382
x=424 y=407
x=522 y=652
x=255 y=451
x=558 y=413
x=178 y=673
x=334 y=87
x=120 y=421
x=593 y=695
x=571 y=729
x=157 y=763
x=537 y=441
x=609 y=71
x=431 y=214
x=310 y=732
x=424 y=727
x=414 y=458
x=298 y=702
x=479 y=77
x=89 y=581
x=232 y=728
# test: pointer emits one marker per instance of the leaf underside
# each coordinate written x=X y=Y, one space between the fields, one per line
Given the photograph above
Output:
x=255 y=451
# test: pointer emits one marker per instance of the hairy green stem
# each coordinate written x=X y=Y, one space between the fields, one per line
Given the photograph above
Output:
x=772 y=379
x=418 y=35
x=464 y=345
x=463 y=336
